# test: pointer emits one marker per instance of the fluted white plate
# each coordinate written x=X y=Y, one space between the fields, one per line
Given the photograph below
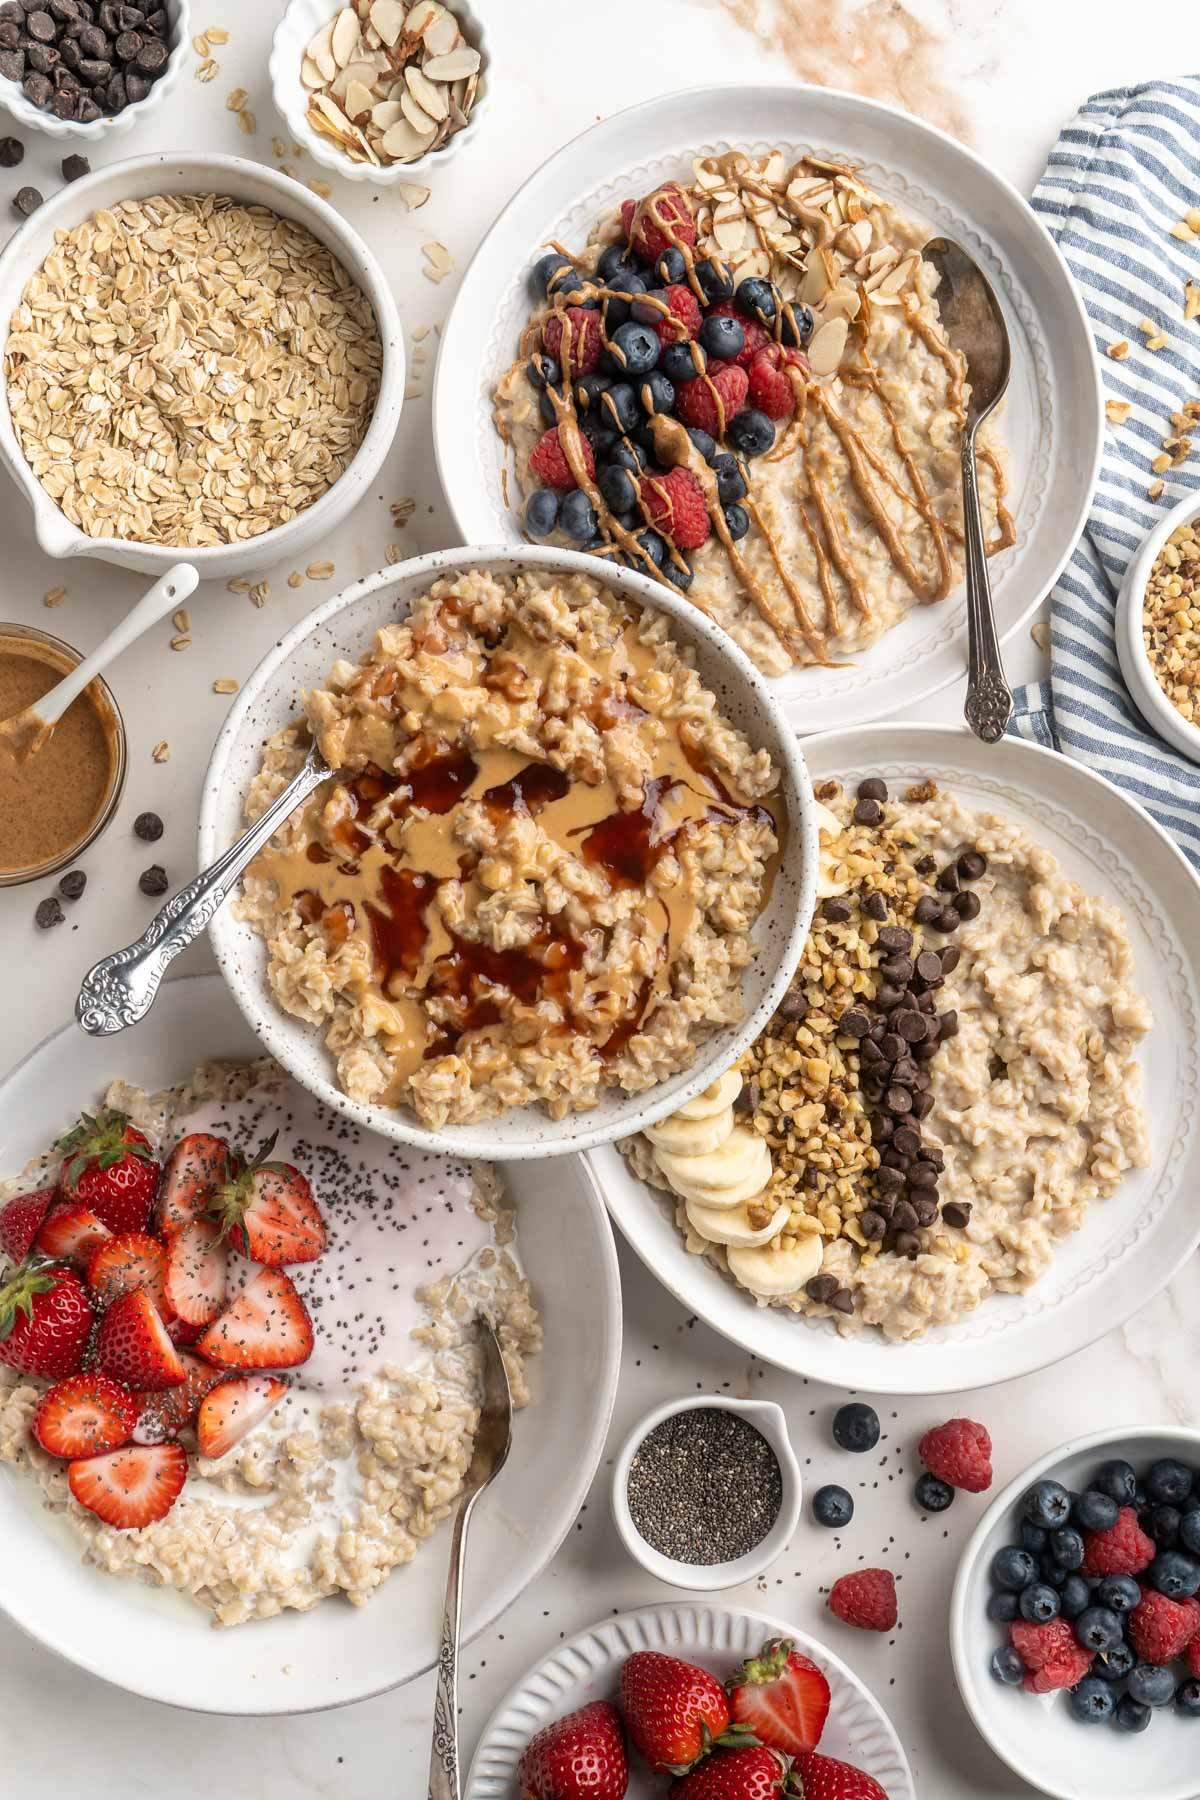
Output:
x=588 y=1668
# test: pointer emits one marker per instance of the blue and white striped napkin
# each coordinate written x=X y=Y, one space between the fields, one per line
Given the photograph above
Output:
x=1123 y=172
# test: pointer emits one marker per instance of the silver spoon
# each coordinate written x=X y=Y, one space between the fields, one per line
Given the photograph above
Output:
x=120 y=989
x=975 y=327
x=492 y=1439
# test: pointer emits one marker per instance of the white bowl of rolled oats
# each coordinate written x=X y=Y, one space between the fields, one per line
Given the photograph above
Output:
x=562 y=876
x=240 y=351
x=1158 y=628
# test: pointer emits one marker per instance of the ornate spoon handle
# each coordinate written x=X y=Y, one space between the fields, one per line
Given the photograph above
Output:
x=443 y=1755
x=989 y=703
x=120 y=989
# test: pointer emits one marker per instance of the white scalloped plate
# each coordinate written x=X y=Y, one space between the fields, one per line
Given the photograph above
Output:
x=1053 y=421
x=1130 y=1246
x=587 y=1668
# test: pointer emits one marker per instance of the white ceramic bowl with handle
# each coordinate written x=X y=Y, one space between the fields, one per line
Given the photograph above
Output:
x=138 y=179
x=32 y=117
x=1140 y=678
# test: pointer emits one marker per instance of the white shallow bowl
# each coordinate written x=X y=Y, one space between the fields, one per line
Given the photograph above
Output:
x=1052 y=419
x=588 y=1668
x=1130 y=1246
x=13 y=100
x=293 y=34
x=155 y=1642
x=138 y=179
x=767 y=1419
x=1036 y=1734
x=1140 y=678
x=346 y=626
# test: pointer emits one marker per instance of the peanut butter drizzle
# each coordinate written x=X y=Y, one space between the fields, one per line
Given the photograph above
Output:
x=1006 y=529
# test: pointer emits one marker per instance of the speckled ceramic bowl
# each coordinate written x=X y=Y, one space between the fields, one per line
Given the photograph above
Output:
x=345 y=627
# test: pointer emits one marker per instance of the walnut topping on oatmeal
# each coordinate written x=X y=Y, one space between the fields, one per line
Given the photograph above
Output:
x=1171 y=619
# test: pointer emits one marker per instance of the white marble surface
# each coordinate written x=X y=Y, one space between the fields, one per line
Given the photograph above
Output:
x=1018 y=68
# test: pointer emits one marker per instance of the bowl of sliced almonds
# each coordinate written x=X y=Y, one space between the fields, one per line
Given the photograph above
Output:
x=378 y=89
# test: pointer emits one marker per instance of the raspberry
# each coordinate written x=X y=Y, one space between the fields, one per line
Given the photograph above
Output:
x=696 y=404
x=757 y=336
x=686 y=317
x=677 y=507
x=666 y=207
x=1051 y=1655
x=770 y=388
x=1192 y=1656
x=1160 y=1629
x=586 y=339
x=866 y=1599
x=549 y=463
x=960 y=1454
x=1124 y=1549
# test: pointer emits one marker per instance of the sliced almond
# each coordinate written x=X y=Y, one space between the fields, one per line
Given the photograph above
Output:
x=386 y=114
x=359 y=101
x=310 y=74
x=321 y=51
x=344 y=40
x=430 y=96
x=452 y=67
x=855 y=240
x=421 y=17
x=440 y=35
x=412 y=195
x=826 y=346
x=899 y=277
x=816 y=282
x=401 y=143
x=387 y=16
x=417 y=117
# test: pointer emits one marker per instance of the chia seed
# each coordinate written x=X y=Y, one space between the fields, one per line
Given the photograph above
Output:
x=704 y=1487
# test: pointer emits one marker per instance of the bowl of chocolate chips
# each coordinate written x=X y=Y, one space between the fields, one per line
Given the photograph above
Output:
x=89 y=68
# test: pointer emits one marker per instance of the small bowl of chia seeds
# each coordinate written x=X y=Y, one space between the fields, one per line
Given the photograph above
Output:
x=706 y=1491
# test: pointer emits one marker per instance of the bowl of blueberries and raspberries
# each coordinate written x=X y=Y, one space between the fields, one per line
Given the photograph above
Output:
x=1075 y=1621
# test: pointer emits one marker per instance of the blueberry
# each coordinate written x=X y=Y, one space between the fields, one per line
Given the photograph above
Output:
x=670 y=266
x=541 y=513
x=618 y=488
x=758 y=298
x=750 y=432
x=1002 y=1608
x=1162 y=1524
x=1007 y=1666
x=546 y=407
x=654 y=546
x=577 y=516
x=568 y=284
x=723 y=336
x=1131 y=1715
x=656 y=394
x=1189 y=1530
x=1013 y=1569
x=628 y=454
x=1118 y=1480
x=1169 y=1481
x=629 y=521
x=616 y=265
x=932 y=1495
x=1092 y=1702
x=731 y=479
x=1114 y=1664
x=704 y=443
x=682 y=362
x=856 y=1427
x=1075 y=1595
x=542 y=370
x=1053 y=1573
x=737 y=522
x=680 y=577
x=1094 y=1511
x=1119 y=1593
x=634 y=348
x=588 y=390
x=598 y=435
x=1034 y=1538
x=544 y=270
x=1098 y=1629
x=715 y=279
x=1187 y=1699
x=832 y=1506
x=796 y=326
x=1047 y=1504
x=1174 y=1575
x=1039 y=1603
x=619 y=406
x=1066 y=1546
x=1151 y=1685
x=617 y=308
x=648 y=311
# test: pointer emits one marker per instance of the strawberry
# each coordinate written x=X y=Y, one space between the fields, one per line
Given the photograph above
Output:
x=1124 y=1549
x=781 y=1697
x=71 y=1233
x=662 y=218
x=232 y=1408
x=267 y=1327
x=1160 y=1629
x=685 y=317
x=753 y=1773
x=20 y=1219
x=183 y=1335
x=696 y=404
x=757 y=337
x=677 y=507
x=586 y=339
x=771 y=389
x=196 y=1272
x=194 y=1171
x=826 y=1778
x=549 y=463
x=960 y=1454
x=45 y=1318
x=581 y=1757
x=163 y=1415
x=674 y=1712
x=267 y=1211
x=84 y=1415
x=133 y=1345
x=132 y=1259
x=1052 y=1656
x=108 y=1166
x=867 y=1599
x=132 y=1487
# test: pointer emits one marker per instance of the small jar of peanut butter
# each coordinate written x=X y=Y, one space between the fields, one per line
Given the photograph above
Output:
x=55 y=803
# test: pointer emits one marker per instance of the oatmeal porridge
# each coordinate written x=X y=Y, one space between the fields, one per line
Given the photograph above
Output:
x=362 y=1456
x=947 y=1087
x=742 y=386
x=536 y=872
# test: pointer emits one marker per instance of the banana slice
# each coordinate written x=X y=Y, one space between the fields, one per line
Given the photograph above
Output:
x=828 y=824
x=730 y=1225
x=776 y=1269
x=681 y=1136
x=736 y=1171
x=723 y=1092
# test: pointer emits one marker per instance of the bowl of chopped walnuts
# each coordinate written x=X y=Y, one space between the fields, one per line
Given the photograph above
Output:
x=89 y=71
x=1158 y=628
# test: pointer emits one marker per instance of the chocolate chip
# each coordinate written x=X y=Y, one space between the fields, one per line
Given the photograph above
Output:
x=892 y=1046
x=157 y=22
x=136 y=86
x=43 y=58
x=153 y=881
x=93 y=41
x=870 y=1052
x=127 y=45
x=948 y=1023
x=875 y=906
x=12 y=152
x=872 y=789
x=26 y=200
x=892 y=1159
x=116 y=95
x=873 y=1225
x=94 y=71
x=898 y=1100
x=882 y=1127
x=10 y=35
x=878 y=1030
x=907 y=1245
x=63 y=9
x=73 y=167
x=64 y=81
x=925 y=865
x=926 y=910
x=742 y=1102
x=889 y=995
x=109 y=16
x=855 y=1022
x=948 y=919
x=41 y=27
x=948 y=879
x=911 y=1026
x=843 y=1301
x=130 y=18
x=922 y=1105
x=72 y=884
x=868 y=812
x=822 y=1288
x=905 y=1072
x=905 y=1216
x=926 y=1049
x=65 y=103
x=926 y=1208
x=898 y=969
x=971 y=865
x=922 y=1174
x=895 y=938
x=793 y=1007
x=888 y=1180
x=957 y=1213
x=836 y=910
x=87 y=110
x=950 y=958
x=148 y=826
x=968 y=906
x=907 y=1140
x=12 y=12
x=151 y=59
x=929 y=966
x=49 y=912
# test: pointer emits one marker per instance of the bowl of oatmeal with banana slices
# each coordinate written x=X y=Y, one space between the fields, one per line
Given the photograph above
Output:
x=561 y=867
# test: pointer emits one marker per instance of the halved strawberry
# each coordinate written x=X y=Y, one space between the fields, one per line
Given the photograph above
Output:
x=195 y=1169
x=132 y=1487
x=183 y=1335
x=267 y=1211
x=109 y=1167
x=132 y=1259
x=267 y=1327
x=163 y=1415
x=782 y=1697
x=232 y=1408
x=45 y=1319
x=133 y=1346
x=196 y=1271
x=71 y=1232
x=85 y=1415
x=20 y=1219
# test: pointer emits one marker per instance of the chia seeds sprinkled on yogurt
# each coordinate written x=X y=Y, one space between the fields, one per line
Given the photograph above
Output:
x=704 y=1486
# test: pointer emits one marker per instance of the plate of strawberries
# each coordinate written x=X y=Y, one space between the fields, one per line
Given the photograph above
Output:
x=695 y=1702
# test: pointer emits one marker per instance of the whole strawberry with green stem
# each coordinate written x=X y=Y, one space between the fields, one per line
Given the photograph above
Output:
x=817 y=1777
x=674 y=1711
x=45 y=1319
x=108 y=1167
x=753 y=1773
x=580 y=1757
x=267 y=1211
